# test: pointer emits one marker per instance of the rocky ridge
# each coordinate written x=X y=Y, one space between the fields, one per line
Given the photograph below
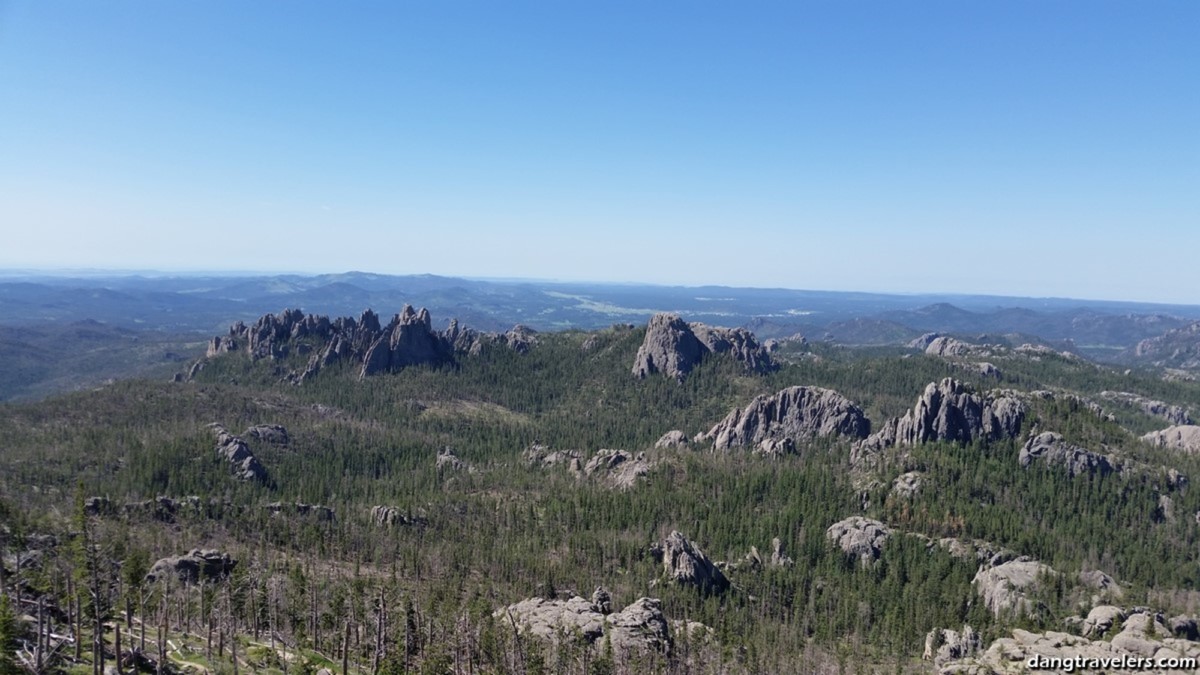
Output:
x=1050 y=448
x=1177 y=348
x=1184 y=438
x=949 y=411
x=407 y=340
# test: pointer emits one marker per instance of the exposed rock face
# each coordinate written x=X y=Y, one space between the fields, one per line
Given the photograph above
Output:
x=1004 y=587
x=685 y=563
x=1185 y=438
x=1172 y=413
x=858 y=536
x=1050 y=448
x=1101 y=619
x=639 y=627
x=269 y=433
x=1104 y=585
x=924 y=341
x=241 y=460
x=672 y=439
x=1178 y=348
x=943 y=645
x=387 y=516
x=794 y=414
x=948 y=346
x=538 y=454
x=446 y=459
x=318 y=511
x=674 y=347
x=407 y=340
x=198 y=564
x=907 y=485
x=1143 y=635
x=948 y=411
x=619 y=468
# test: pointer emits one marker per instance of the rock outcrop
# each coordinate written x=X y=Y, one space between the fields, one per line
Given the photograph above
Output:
x=268 y=433
x=237 y=453
x=684 y=563
x=317 y=511
x=674 y=347
x=949 y=411
x=388 y=516
x=1050 y=448
x=859 y=536
x=407 y=340
x=1005 y=587
x=1185 y=438
x=448 y=461
x=198 y=564
x=908 y=484
x=943 y=645
x=794 y=414
x=948 y=346
x=1177 y=348
x=619 y=468
x=672 y=439
x=1143 y=635
x=1173 y=414
x=638 y=628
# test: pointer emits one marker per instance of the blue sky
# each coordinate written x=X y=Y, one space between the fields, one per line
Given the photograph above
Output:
x=1043 y=148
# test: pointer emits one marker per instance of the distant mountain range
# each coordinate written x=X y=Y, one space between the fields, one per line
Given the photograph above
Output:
x=187 y=307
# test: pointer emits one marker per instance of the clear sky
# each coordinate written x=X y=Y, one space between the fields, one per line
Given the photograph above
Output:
x=1027 y=148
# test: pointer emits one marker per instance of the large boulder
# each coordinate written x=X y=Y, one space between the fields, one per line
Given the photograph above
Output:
x=639 y=627
x=1051 y=449
x=1185 y=438
x=795 y=414
x=859 y=536
x=1005 y=587
x=197 y=565
x=674 y=347
x=684 y=563
x=943 y=645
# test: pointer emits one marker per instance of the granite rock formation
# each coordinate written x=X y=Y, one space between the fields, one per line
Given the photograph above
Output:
x=1174 y=414
x=237 y=453
x=1050 y=448
x=638 y=628
x=1177 y=348
x=949 y=411
x=684 y=563
x=206 y=564
x=407 y=340
x=1185 y=438
x=1005 y=587
x=674 y=347
x=861 y=537
x=618 y=468
x=794 y=414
